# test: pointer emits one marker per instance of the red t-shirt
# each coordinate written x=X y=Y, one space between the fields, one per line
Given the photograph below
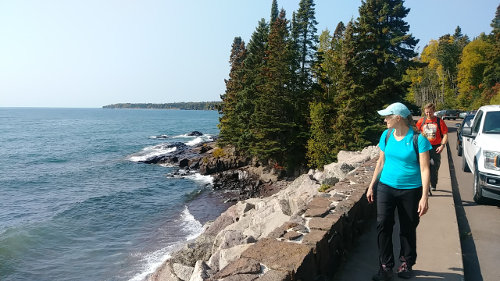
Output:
x=430 y=129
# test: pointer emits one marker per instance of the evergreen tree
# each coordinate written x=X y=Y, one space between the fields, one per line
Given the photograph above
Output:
x=230 y=128
x=495 y=24
x=253 y=81
x=339 y=30
x=351 y=101
x=383 y=51
x=305 y=34
x=449 y=54
x=274 y=11
x=273 y=119
x=320 y=150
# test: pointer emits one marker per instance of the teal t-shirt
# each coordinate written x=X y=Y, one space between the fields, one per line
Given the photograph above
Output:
x=401 y=169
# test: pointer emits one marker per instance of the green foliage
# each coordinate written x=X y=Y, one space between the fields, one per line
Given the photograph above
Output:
x=292 y=96
x=209 y=105
x=218 y=152
x=274 y=11
x=273 y=117
x=230 y=129
x=319 y=149
x=376 y=51
x=323 y=188
x=479 y=72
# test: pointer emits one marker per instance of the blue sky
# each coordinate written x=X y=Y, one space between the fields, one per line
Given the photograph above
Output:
x=90 y=53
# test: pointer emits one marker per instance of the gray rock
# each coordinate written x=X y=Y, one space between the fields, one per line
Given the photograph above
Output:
x=285 y=207
x=288 y=258
x=275 y=275
x=200 y=271
x=182 y=271
x=292 y=235
x=239 y=266
x=330 y=181
x=164 y=273
x=200 y=249
x=241 y=277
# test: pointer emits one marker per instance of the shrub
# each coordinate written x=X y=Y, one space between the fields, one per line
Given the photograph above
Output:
x=219 y=152
x=323 y=188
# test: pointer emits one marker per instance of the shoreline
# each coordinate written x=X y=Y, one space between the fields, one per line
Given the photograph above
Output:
x=255 y=219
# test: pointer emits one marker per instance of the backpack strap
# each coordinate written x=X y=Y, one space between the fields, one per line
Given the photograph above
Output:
x=415 y=145
x=389 y=132
x=439 y=126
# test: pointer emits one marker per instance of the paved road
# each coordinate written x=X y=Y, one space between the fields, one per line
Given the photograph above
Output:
x=479 y=225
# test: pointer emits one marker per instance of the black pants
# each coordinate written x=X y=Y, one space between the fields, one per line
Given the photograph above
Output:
x=436 y=162
x=406 y=202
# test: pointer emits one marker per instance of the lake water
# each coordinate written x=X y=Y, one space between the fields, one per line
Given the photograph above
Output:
x=76 y=203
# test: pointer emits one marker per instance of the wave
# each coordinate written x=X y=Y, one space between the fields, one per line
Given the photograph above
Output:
x=200 y=139
x=152 y=261
x=189 y=224
x=159 y=137
x=150 y=152
x=197 y=177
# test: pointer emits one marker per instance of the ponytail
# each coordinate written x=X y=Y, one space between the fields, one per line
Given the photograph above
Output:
x=411 y=123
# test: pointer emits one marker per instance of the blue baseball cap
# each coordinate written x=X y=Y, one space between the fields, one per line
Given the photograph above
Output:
x=396 y=108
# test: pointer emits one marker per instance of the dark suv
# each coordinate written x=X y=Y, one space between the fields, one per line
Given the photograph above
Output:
x=466 y=123
x=448 y=114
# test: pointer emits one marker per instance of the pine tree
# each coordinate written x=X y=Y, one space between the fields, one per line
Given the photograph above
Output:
x=350 y=100
x=230 y=128
x=274 y=11
x=320 y=150
x=273 y=111
x=253 y=81
x=307 y=39
x=383 y=52
x=495 y=24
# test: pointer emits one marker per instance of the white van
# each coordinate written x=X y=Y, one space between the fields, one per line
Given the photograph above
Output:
x=481 y=155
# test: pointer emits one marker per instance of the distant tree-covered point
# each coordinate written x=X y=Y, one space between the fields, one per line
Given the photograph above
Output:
x=204 y=105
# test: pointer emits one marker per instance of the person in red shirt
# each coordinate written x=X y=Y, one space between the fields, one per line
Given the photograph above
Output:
x=436 y=131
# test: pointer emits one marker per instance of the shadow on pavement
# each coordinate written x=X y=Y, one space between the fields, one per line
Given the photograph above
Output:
x=472 y=269
x=435 y=275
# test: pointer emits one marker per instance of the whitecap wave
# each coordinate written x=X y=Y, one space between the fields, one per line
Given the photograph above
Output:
x=189 y=224
x=200 y=139
x=195 y=141
x=152 y=261
x=151 y=152
x=197 y=177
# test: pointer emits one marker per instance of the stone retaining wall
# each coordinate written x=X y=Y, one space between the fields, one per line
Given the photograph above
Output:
x=296 y=234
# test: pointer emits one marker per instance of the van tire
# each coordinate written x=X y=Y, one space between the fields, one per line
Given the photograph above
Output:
x=465 y=167
x=477 y=189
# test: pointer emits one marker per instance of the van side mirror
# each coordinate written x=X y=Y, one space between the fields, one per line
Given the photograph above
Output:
x=467 y=132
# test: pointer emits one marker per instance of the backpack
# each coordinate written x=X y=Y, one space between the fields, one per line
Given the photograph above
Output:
x=438 y=120
x=415 y=141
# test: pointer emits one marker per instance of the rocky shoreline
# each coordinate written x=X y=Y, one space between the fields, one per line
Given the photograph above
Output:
x=274 y=229
x=241 y=176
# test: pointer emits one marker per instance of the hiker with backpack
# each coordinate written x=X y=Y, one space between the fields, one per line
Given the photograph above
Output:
x=400 y=181
x=436 y=131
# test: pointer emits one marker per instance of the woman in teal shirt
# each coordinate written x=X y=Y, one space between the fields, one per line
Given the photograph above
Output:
x=403 y=185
